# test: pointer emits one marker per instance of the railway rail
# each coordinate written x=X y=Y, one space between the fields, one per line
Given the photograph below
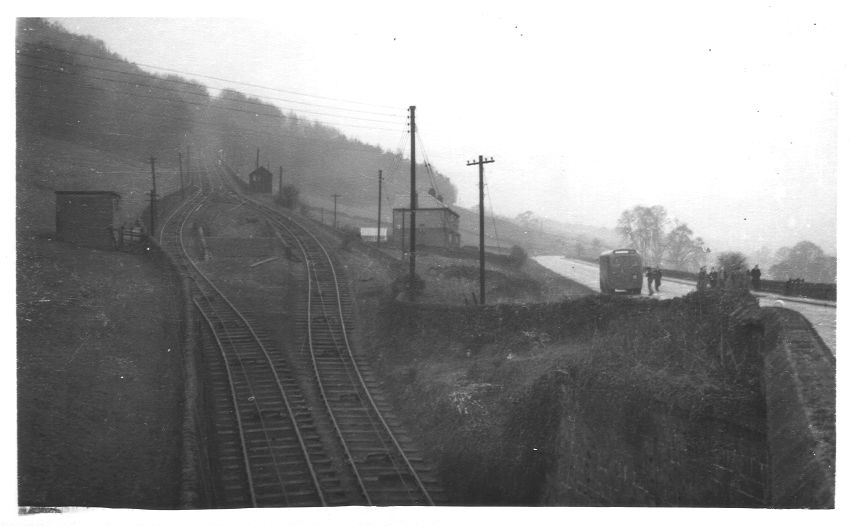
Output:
x=386 y=466
x=268 y=446
x=267 y=451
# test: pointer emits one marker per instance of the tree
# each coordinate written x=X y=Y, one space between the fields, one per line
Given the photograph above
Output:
x=804 y=260
x=683 y=252
x=518 y=255
x=763 y=257
x=643 y=228
x=596 y=243
x=527 y=219
x=579 y=249
x=732 y=262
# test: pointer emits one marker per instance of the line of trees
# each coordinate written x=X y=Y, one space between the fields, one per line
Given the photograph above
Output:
x=645 y=228
x=672 y=244
x=805 y=260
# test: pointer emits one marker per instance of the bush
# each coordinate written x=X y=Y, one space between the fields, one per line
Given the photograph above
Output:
x=288 y=196
x=518 y=255
x=349 y=235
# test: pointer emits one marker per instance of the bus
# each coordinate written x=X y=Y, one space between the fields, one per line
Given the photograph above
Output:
x=620 y=269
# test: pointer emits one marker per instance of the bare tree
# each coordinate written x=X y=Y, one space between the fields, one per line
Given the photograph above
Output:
x=682 y=251
x=643 y=228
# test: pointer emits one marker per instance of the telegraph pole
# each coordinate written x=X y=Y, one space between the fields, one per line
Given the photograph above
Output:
x=335 y=196
x=180 y=163
x=412 y=193
x=380 y=182
x=481 y=162
x=153 y=196
x=188 y=161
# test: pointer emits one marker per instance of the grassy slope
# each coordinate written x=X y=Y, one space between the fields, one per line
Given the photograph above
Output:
x=99 y=381
x=464 y=379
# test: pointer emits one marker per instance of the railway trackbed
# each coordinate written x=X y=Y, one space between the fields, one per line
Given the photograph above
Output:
x=270 y=443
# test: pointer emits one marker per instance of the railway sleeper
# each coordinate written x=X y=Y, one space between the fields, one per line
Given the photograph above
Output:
x=392 y=479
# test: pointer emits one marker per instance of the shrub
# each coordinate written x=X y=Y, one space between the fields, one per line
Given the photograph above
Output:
x=518 y=255
x=349 y=235
x=288 y=196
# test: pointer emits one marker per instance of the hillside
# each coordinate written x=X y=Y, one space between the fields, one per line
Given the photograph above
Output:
x=111 y=108
x=72 y=88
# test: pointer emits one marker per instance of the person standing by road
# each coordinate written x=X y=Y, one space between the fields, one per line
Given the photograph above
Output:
x=649 y=278
x=657 y=276
x=755 y=274
x=712 y=278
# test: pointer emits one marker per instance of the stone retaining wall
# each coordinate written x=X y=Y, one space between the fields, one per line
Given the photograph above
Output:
x=800 y=397
x=619 y=448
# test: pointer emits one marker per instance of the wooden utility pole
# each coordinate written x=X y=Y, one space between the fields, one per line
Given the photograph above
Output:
x=380 y=182
x=402 y=231
x=412 y=193
x=481 y=162
x=153 y=197
x=188 y=161
x=280 y=183
x=335 y=196
x=180 y=163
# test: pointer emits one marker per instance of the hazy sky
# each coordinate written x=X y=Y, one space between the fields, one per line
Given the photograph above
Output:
x=724 y=113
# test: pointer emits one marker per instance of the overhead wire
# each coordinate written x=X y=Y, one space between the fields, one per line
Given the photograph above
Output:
x=230 y=81
x=194 y=103
x=493 y=216
x=146 y=78
x=207 y=126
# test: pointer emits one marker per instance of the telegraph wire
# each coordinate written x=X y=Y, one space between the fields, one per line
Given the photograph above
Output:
x=147 y=78
x=209 y=127
x=181 y=100
x=138 y=64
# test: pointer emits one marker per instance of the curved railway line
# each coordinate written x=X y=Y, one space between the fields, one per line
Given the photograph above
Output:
x=269 y=446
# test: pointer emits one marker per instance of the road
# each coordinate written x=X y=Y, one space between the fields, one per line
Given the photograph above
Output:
x=823 y=318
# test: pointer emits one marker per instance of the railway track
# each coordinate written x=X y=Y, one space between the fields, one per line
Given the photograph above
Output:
x=386 y=466
x=265 y=447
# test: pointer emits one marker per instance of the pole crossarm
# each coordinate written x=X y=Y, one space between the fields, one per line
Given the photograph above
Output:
x=480 y=161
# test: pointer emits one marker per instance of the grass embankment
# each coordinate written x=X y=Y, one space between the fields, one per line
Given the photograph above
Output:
x=99 y=365
x=453 y=279
x=99 y=378
x=482 y=386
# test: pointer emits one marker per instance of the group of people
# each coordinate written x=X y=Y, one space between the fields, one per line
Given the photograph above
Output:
x=792 y=286
x=653 y=275
x=721 y=279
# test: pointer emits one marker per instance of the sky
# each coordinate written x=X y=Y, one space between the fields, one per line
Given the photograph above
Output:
x=726 y=114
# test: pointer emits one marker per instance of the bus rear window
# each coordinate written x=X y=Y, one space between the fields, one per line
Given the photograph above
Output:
x=626 y=261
